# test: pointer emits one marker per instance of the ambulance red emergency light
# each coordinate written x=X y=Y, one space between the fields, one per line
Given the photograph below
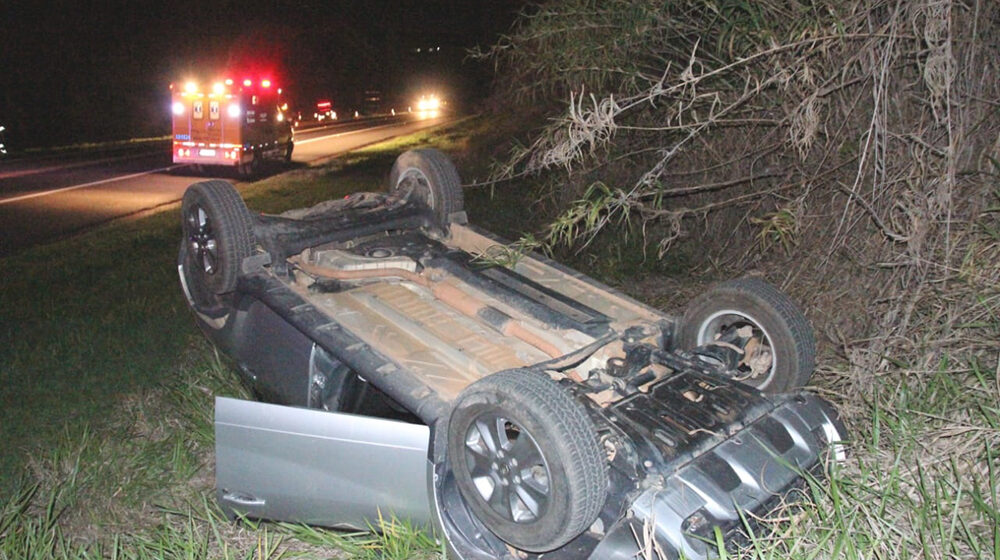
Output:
x=230 y=123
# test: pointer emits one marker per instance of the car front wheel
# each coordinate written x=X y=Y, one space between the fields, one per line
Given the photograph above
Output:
x=526 y=459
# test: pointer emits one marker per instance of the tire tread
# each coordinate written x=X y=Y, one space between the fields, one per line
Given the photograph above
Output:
x=234 y=228
x=441 y=172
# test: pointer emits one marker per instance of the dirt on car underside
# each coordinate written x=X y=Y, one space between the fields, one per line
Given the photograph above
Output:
x=451 y=319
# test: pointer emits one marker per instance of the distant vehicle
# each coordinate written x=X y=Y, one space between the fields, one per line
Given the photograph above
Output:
x=324 y=111
x=428 y=103
x=230 y=124
x=428 y=106
x=371 y=102
x=3 y=142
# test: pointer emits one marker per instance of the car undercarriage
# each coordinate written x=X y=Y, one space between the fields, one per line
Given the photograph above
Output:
x=544 y=413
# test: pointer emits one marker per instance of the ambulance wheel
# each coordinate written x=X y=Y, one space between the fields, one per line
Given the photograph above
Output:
x=251 y=170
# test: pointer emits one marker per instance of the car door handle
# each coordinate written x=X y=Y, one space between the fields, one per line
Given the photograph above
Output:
x=242 y=499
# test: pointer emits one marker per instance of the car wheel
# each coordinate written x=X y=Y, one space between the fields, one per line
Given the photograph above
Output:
x=526 y=459
x=217 y=235
x=429 y=176
x=776 y=341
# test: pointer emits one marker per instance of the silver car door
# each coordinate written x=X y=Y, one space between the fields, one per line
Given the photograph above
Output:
x=322 y=468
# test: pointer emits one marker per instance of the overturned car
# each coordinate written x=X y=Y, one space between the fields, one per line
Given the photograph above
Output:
x=516 y=407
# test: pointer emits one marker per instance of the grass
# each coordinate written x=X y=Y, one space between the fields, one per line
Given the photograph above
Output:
x=108 y=390
x=891 y=500
x=95 y=148
x=108 y=385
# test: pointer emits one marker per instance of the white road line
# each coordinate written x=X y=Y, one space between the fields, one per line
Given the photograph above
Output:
x=84 y=185
x=299 y=142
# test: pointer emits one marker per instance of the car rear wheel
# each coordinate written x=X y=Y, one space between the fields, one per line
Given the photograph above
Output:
x=429 y=176
x=774 y=337
x=526 y=459
x=217 y=235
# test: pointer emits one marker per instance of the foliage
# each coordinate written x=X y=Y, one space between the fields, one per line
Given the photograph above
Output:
x=846 y=150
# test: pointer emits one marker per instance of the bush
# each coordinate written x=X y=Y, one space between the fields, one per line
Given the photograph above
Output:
x=850 y=151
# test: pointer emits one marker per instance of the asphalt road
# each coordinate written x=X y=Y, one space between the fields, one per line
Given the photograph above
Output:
x=47 y=199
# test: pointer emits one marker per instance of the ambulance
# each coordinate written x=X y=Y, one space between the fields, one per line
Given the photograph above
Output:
x=230 y=123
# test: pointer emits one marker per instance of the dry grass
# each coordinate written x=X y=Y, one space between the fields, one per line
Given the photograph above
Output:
x=848 y=151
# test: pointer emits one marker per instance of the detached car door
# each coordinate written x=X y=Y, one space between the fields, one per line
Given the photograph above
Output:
x=322 y=468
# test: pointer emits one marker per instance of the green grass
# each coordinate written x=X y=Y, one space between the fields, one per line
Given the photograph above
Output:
x=108 y=386
x=110 y=145
x=84 y=324
x=107 y=394
x=895 y=498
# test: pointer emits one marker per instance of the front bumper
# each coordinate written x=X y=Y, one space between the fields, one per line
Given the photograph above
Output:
x=685 y=472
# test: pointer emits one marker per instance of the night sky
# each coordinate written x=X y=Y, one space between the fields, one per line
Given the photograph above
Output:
x=88 y=71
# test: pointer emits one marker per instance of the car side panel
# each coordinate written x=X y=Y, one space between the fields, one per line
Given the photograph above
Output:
x=275 y=355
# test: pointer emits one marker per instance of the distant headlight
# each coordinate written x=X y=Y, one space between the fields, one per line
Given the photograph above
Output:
x=428 y=104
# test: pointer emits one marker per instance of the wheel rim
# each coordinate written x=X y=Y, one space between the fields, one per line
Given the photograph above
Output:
x=204 y=247
x=416 y=184
x=508 y=470
x=725 y=320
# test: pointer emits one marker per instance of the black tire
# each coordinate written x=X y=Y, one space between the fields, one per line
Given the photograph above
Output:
x=252 y=169
x=430 y=176
x=526 y=459
x=778 y=326
x=217 y=236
